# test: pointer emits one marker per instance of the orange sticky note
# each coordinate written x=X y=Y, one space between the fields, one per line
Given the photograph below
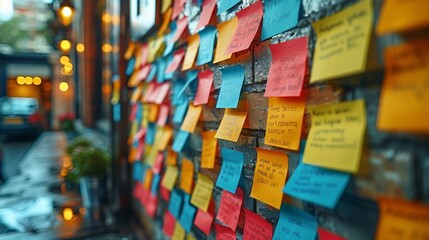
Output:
x=187 y=175
x=147 y=182
x=256 y=228
x=130 y=50
x=191 y=51
x=400 y=16
x=166 y=17
x=169 y=178
x=205 y=83
x=225 y=32
x=139 y=76
x=166 y=134
x=137 y=93
x=171 y=157
x=284 y=122
x=202 y=192
x=231 y=125
x=209 y=148
x=400 y=220
x=180 y=28
x=249 y=20
x=206 y=13
x=152 y=112
x=191 y=119
x=404 y=98
x=270 y=176
x=177 y=59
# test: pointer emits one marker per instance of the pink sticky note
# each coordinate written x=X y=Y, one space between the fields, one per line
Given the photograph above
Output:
x=163 y=113
x=168 y=224
x=205 y=83
x=140 y=149
x=177 y=59
x=151 y=204
x=140 y=134
x=206 y=13
x=133 y=112
x=180 y=27
x=157 y=166
x=256 y=228
x=249 y=20
x=288 y=67
x=161 y=92
x=165 y=194
x=144 y=54
x=178 y=7
x=149 y=92
x=230 y=207
x=203 y=220
x=326 y=235
x=224 y=233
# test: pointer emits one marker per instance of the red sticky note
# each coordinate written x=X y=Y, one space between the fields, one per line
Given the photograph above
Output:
x=151 y=204
x=180 y=27
x=224 y=233
x=205 y=83
x=157 y=166
x=249 y=20
x=203 y=220
x=288 y=67
x=177 y=59
x=164 y=110
x=326 y=235
x=178 y=7
x=137 y=193
x=206 y=13
x=133 y=112
x=165 y=194
x=144 y=196
x=256 y=228
x=144 y=54
x=168 y=224
x=161 y=92
x=230 y=207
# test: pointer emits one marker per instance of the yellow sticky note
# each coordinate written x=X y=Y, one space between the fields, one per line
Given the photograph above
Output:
x=190 y=236
x=179 y=232
x=169 y=178
x=130 y=50
x=147 y=182
x=225 y=33
x=400 y=16
x=342 y=41
x=191 y=119
x=284 y=122
x=404 y=98
x=202 y=192
x=133 y=130
x=137 y=93
x=231 y=125
x=165 y=5
x=154 y=45
x=209 y=148
x=187 y=175
x=166 y=17
x=171 y=157
x=336 y=136
x=166 y=134
x=150 y=155
x=270 y=176
x=400 y=220
x=191 y=52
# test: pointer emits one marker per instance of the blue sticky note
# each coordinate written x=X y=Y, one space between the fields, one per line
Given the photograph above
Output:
x=175 y=204
x=317 y=185
x=295 y=224
x=139 y=112
x=155 y=183
x=180 y=141
x=117 y=112
x=169 y=39
x=177 y=87
x=223 y=5
x=188 y=214
x=153 y=71
x=232 y=81
x=279 y=16
x=180 y=113
x=190 y=77
x=230 y=172
x=138 y=171
x=161 y=65
x=130 y=66
x=150 y=133
x=205 y=50
x=168 y=60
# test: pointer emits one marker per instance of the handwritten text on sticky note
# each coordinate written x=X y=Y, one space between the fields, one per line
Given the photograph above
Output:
x=295 y=224
x=232 y=165
x=209 y=149
x=230 y=208
x=257 y=228
x=202 y=192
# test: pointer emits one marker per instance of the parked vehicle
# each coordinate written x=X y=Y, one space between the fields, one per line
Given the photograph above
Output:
x=19 y=116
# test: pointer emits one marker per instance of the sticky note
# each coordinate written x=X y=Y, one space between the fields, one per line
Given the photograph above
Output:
x=188 y=214
x=230 y=172
x=404 y=102
x=130 y=66
x=162 y=65
x=167 y=133
x=191 y=119
x=165 y=5
x=225 y=33
x=171 y=157
x=137 y=93
x=169 y=178
x=224 y=5
x=178 y=7
x=164 y=111
x=288 y=68
x=295 y=224
x=159 y=160
x=400 y=220
x=206 y=13
x=326 y=235
x=180 y=140
x=257 y=228
x=179 y=113
x=166 y=17
x=179 y=232
x=150 y=133
x=187 y=175
x=209 y=149
x=161 y=92
x=224 y=233
x=205 y=50
x=317 y=185
x=205 y=84
x=130 y=50
x=230 y=208
x=152 y=113
x=401 y=16
x=181 y=25
x=336 y=136
x=342 y=41
x=154 y=45
x=202 y=192
x=155 y=184
x=165 y=193
x=284 y=122
x=169 y=40
x=232 y=81
x=144 y=54
x=175 y=204
x=139 y=76
x=279 y=16
x=249 y=20
x=177 y=59
x=151 y=205
x=168 y=224
x=270 y=176
x=190 y=236
x=152 y=73
x=203 y=220
x=231 y=125
x=190 y=77
x=191 y=52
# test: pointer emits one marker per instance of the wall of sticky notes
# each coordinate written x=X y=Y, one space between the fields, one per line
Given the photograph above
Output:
x=282 y=119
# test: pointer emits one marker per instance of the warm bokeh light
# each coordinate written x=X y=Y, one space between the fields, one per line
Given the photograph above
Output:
x=20 y=80
x=28 y=80
x=68 y=67
x=107 y=48
x=106 y=88
x=66 y=11
x=65 y=45
x=64 y=59
x=80 y=47
x=47 y=86
x=106 y=18
x=64 y=172
x=68 y=214
x=37 y=81
x=64 y=86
